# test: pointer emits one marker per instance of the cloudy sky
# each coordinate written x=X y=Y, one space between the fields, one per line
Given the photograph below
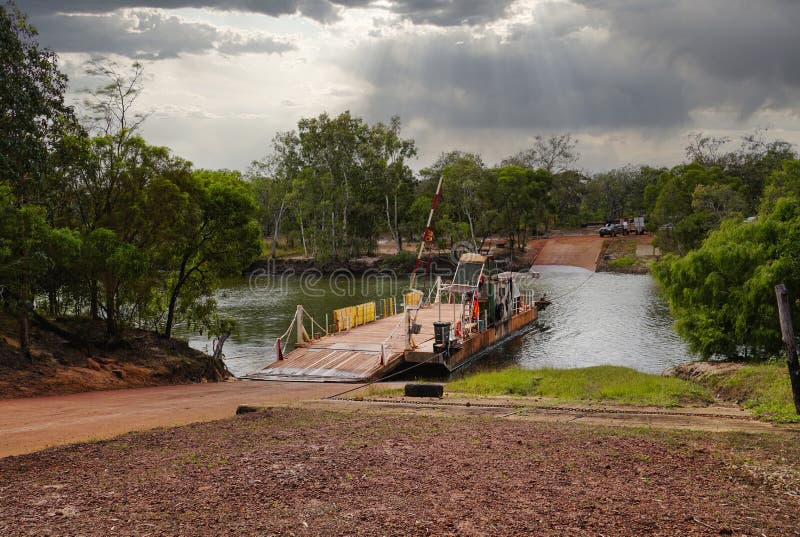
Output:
x=629 y=78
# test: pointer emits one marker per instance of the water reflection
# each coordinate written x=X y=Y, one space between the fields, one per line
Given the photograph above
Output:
x=595 y=319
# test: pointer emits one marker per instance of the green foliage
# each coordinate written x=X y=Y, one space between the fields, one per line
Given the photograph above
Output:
x=722 y=293
x=520 y=196
x=400 y=263
x=109 y=225
x=341 y=180
x=32 y=111
x=599 y=383
x=33 y=120
x=218 y=235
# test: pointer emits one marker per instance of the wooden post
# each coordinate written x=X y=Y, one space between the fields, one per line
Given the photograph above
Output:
x=787 y=331
x=299 y=320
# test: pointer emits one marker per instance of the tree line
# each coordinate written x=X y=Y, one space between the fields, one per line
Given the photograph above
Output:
x=334 y=185
x=95 y=223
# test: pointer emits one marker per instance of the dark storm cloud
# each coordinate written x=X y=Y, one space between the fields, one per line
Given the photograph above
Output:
x=145 y=35
x=521 y=84
x=451 y=12
x=274 y=8
x=320 y=10
x=734 y=39
x=596 y=64
x=437 y=12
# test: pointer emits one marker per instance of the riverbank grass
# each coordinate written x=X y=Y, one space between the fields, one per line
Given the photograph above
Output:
x=763 y=389
x=607 y=384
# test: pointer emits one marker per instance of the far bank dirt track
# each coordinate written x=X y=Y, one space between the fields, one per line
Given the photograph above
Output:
x=573 y=250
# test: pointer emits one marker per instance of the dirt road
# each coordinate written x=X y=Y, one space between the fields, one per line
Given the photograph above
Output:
x=31 y=424
x=296 y=471
x=577 y=251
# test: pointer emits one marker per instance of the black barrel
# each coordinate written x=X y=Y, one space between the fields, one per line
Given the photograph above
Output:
x=441 y=333
x=424 y=390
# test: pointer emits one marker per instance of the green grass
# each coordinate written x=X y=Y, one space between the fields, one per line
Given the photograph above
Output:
x=764 y=389
x=379 y=391
x=626 y=261
x=609 y=384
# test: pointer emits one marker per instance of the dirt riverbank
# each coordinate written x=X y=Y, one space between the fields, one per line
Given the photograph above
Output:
x=82 y=363
x=573 y=250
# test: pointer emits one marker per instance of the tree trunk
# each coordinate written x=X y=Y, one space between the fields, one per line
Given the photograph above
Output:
x=216 y=369
x=111 y=307
x=471 y=229
x=333 y=235
x=787 y=331
x=24 y=322
x=277 y=227
x=52 y=303
x=344 y=214
x=303 y=238
x=394 y=233
x=397 y=227
x=173 y=299
x=93 y=308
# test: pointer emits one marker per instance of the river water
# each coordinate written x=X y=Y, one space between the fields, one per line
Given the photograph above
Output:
x=595 y=319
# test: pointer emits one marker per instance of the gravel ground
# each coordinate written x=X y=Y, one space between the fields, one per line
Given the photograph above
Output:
x=314 y=472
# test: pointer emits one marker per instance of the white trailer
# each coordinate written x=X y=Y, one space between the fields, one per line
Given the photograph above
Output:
x=638 y=225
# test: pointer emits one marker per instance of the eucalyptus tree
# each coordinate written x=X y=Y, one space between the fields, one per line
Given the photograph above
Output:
x=343 y=181
x=217 y=235
x=385 y=155
x=272 y=183
x=467 y=191
x=520 y=194
x=556 y=154
x=33 y=118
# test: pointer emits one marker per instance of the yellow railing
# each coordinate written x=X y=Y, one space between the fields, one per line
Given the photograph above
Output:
x=413 y=298
x=387 y=307
x=352 y=316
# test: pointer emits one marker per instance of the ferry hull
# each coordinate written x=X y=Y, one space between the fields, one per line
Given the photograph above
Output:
x=476 y=344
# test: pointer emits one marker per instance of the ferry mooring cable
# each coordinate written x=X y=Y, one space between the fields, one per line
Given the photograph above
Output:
x=584 y=282
x=382 y=379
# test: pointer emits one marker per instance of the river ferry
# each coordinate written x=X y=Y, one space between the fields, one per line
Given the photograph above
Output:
x=446 y=327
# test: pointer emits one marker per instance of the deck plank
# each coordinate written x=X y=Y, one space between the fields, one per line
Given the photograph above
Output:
x=355 y=355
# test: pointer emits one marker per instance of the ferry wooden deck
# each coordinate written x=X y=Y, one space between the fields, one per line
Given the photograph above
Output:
x=361 y=353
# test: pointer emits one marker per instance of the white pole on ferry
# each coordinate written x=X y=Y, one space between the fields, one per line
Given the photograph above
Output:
x=427 y=227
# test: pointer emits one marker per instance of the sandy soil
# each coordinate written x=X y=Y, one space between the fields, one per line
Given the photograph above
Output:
x=311 y=472
x=574 y=250
x=31 y=424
